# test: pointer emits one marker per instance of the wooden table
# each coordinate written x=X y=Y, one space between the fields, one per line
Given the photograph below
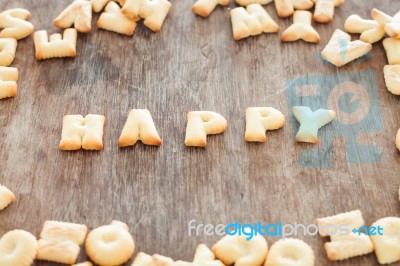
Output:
x=194 y=64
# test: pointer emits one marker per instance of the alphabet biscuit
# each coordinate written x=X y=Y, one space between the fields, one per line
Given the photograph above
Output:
x=260 y=119
x=6 y=197
x=392 y=48
x=387 y=241
x=301 y=29
x=153 y=12
x=79 y=14
x=203 y=257
x=82 y=132
x=371 y=31
x=392 y=78
x=110 y=244
x=249 y=2
x=58 y=46
x=98 y=5
x=14 y=24
x=17 y=248
x=113 y=20
x=238 y=251
x=340 y=50
x=398 y=144
x=290 y=252
x=205 y=7
x=8 y=46
x=8 y=82
x=202 y=123
x=139 y=126
x=250 y=21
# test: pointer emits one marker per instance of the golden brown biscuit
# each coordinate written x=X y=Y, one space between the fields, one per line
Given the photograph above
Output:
x=261 y=119
x=205 y=7
x=153 y=12
x=17 y=248
x=8 y=46
x=290 y=252
x=386 y=240
x=301 y=29
x=98 y=5
x=250 y=21
x=324 y=11
x=6 y=197
x=340 y=50
x=392 y=48
x=392 y=78
x=82 y=132
x=142 y=259
x=79 y=14
x=112 y=19
x=202 y=123
x=110 y=244
x=203 y=257
x=14 y=24
x=58 y=46
x=8 y=82
x=139 y=126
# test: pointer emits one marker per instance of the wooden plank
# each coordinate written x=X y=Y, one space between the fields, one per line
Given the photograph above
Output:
x=192 y=64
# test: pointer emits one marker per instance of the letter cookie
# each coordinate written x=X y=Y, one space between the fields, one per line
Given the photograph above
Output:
x=153 y=12
x=86 y=263
x=393 y=27
x=301 y=29
x=340 y=50
x=79 y=132
x=370 y=30
x=6 y=197
x=139 y=126
x=238 y=251
x=110 y=244
x=113 y=20
x=261 y=119
x=79 y=14
x=203 y=257
x=8 y=46
x=249 y=2
x=59 y=242
x=98 y=5
x=347 y=244
x=14 y=24
x=284 y=8
x=18 y=248
x=392 y=78
x=205 y=7
x=392 y=48
x=250 y=21
x=325 y=9
x=8 y=84
x=398 y=144
x=57 y=46
x=142 y=259
x=290 y=252
x=311 y=122
x=202 y=123
x=386 y=239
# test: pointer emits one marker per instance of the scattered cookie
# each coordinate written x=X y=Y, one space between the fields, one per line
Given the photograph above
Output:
x=302 y=4
x=237 y=250
x=110 y=244
x=142 y=259
x=398 y=144
x=14 y=24
x=58 y=46
x=98 y=5
x=290 y=252
x=324 y=11
x=153 y=12
x=8 y=46
x=284 y=8
x=393 y=27
x=18 y=248
x=388 y=24
x=205 y=7
x=261 y=119
x=86 y=263
x=79 y=14
x=370 y=30
x=376 y=34
x=387 y=241
x=113 y=20
x=139 y=126
x=203 y=257
x=301 y=29
x=392 y=78
x=392 y=48
x=340 y=50
x=250 y=21
x=311 y=122
x=344 y=246
x=82 y=132
x=202 y=123
x=59 y=242
x=8 y=82
x=6 y=197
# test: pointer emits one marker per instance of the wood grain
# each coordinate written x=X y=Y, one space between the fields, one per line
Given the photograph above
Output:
x=192 y=64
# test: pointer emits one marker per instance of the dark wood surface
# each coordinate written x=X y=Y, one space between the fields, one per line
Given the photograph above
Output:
x=192 y=64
